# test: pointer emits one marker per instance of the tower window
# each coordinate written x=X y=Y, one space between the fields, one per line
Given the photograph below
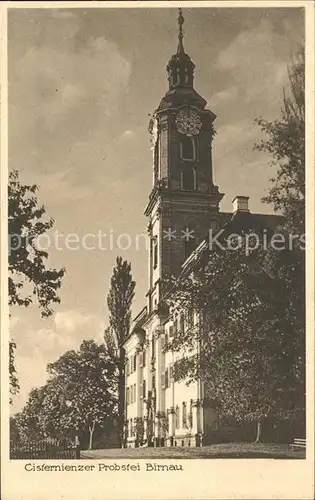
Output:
x=177 y=77
x=187 y=148
x=188 y=179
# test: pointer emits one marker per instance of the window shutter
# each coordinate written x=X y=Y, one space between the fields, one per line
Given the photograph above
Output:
x=177 y=417
x=170 y=332
x=163 y=380
x=141 y=391
x=166 y=379
x=184 y=415
x=141 y=359
x=152 y=348
x=171 y=374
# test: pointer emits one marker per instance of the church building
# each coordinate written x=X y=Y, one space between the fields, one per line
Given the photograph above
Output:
x=183 y=206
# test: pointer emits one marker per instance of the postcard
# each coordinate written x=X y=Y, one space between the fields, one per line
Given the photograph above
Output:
x=157 y=209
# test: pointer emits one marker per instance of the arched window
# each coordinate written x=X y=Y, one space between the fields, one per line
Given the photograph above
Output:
x=187 y=148
x=188 y=179
x=186 y=75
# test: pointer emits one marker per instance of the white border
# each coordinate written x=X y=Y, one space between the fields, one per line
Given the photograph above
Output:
x=202 y=479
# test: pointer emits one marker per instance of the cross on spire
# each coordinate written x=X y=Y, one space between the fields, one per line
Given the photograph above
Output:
x=180 y=20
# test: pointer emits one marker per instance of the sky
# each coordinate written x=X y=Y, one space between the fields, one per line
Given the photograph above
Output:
x=82 y=83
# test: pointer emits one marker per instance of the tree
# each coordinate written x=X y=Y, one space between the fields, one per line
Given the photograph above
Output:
x=15 y=429
x=14 y=383
x=244 y=346
x=79 y=396
x=28 y=274
x=85 y=383
x=26 y=425
x=286 y=143
x=119 y=301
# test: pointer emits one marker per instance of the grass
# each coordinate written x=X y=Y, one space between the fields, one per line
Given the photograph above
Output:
x=223 y=450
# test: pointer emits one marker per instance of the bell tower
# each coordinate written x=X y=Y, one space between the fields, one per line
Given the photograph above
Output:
x=184 y=202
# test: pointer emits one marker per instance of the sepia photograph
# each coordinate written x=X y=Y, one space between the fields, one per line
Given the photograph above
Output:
x=157 y=242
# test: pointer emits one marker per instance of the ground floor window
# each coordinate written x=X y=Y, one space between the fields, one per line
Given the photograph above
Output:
x=177 y=417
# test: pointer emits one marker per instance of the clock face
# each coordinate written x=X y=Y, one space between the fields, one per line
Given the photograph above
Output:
x=188 y=121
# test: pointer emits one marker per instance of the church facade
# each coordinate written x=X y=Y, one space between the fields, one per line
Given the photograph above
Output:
x=183 y=205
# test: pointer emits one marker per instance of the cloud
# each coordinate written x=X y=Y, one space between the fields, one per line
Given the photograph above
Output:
x=59 y=187
x=45 y=345
x=50 y=83
x=224 y=96
x=62 y=14
x=61 y=91
x=232 y=137
x=70 y=321
x=254 y=64
x=31 y=374
x=128 y=133
x=66 y=331
x=14 y=321
x=250 y=49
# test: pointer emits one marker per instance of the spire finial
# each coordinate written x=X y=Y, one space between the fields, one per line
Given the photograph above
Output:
x=180 y=21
